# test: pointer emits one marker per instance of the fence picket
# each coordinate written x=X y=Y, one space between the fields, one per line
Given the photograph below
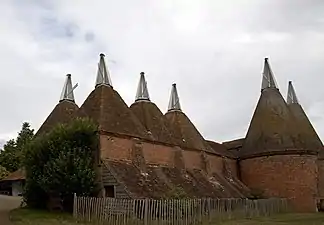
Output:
x=172 y=211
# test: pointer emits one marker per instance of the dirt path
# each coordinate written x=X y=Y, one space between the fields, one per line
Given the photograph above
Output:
x=7 y=203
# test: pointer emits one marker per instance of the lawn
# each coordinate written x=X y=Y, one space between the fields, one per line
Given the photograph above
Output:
x=282 y=219
x=26 y=216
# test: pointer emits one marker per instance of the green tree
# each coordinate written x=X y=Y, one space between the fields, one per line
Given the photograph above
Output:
x=3 y=172
x=11 y=156
x=62 y=162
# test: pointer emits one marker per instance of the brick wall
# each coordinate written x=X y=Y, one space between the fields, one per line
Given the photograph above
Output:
x=158 y=154
x=115 y=148
x=290 y=176
x=232 y=166
x=320 y=164
x=192 y=159
x=216 y=163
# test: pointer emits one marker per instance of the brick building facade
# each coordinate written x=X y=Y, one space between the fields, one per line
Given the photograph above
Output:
x=145 y=153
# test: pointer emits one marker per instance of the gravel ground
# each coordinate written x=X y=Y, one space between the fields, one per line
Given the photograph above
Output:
x=7 y=203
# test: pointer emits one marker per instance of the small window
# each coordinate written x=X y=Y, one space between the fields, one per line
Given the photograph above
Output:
x=110 y=191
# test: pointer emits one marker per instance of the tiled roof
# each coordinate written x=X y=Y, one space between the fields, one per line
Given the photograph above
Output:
x=185 y=132
x=153 y=120
x=17 y=175
x=105 y=106
x=220 y=149
x=160 y=182
x=63 y=112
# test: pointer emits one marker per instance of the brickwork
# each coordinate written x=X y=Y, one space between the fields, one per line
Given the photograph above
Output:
x=192 y=159
x=290 y=176
x=115 y=148
x=158 y=154
x=216 y=163
x=320 y=164
x=232 y=166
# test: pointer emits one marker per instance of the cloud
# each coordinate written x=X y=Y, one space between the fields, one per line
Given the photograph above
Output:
x=213 y=50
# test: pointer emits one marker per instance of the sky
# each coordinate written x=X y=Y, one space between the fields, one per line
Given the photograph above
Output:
x=213 y=50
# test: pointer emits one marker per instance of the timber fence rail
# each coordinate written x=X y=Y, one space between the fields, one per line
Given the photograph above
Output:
x=113 y=211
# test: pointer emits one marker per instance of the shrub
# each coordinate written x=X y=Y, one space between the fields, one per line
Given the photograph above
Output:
x=62 y=162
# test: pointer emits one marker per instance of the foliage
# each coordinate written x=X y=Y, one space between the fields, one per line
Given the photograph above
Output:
x=11 y=157
x=3 y=172
x=176 y=193
x=61 y=163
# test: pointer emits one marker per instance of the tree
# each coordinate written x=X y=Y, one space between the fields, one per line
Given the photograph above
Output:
x=3 y=172
x=11 y=156
x=62 y=162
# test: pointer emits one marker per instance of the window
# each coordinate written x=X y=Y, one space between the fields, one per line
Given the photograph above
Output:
x=110 y=191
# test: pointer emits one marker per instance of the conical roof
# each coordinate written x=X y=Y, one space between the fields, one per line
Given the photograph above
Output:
x=310 y=137
x=272 y=127
x=150 y=115
x=64 y=111
x=183 y=130
x=153 y=120
x=105 y=106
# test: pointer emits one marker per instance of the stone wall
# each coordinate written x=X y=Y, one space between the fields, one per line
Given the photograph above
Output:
x=289 y=176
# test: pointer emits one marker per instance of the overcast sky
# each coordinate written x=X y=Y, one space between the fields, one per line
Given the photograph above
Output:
x=213 y=50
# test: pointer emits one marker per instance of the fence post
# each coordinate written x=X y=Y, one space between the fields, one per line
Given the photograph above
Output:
x=146 y=205
x=208 y=208
x=74 y=206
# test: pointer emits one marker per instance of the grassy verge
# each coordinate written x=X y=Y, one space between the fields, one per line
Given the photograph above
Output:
x=283 y=219
x=25 y=216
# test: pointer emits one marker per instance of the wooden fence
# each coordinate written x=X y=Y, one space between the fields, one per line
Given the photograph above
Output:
x=172 y=212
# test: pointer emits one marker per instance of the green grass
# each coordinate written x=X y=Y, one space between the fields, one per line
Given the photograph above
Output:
x=25 y=216
x=283 y=219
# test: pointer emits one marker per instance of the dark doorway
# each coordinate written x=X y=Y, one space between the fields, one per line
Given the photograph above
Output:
x=110 y=191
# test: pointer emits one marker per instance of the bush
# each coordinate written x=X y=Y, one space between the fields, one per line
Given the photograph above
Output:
x=61 y=163
x=3 y=172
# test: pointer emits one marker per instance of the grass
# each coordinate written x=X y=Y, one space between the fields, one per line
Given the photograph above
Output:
x=283 y=219
x=25 y=216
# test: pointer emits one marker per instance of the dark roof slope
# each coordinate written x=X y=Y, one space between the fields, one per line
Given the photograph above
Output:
x=272 y=127
x=153 y=120
x=185 y=132
x=220 y=149
x=63 y=112
x=161 y=182
x=310 y=137
x=234 y=144
x=105 y=106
